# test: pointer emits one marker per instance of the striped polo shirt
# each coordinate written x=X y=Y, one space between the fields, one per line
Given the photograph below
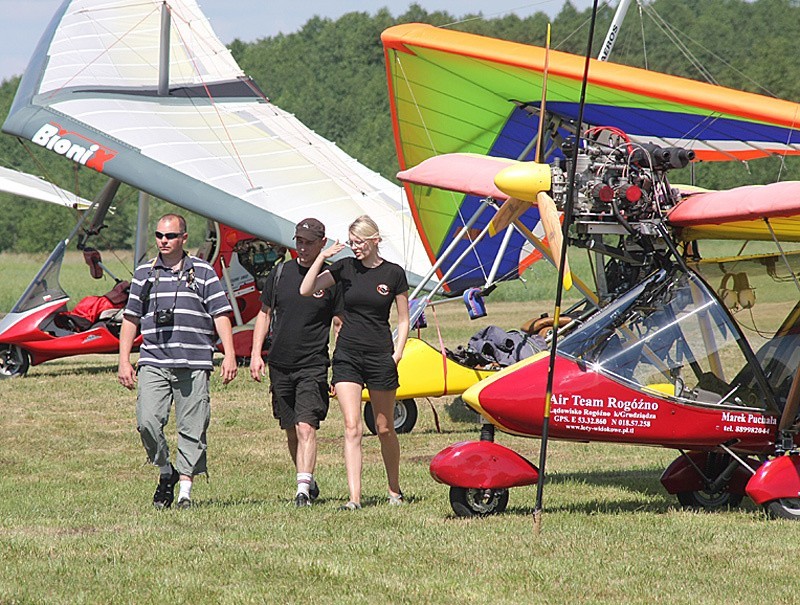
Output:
x=195 y=294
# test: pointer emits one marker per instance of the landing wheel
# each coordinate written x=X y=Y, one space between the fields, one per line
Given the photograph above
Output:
x=709 y=501
x=474 y=502
x=714 y=465
x=784 y=508
x=405 y=416
x=14 y=361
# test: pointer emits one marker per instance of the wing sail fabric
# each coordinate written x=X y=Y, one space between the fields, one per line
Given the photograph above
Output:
x=452 y=92
x=32 y=187
x=213 y=145
x=755 y=212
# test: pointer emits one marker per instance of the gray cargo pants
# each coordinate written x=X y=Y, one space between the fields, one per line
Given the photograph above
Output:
x=188 y=388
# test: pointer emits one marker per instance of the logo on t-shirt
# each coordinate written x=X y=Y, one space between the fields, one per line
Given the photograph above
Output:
x=383 y=289
x=319 y=294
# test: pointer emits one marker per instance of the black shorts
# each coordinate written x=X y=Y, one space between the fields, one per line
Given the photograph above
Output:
x=376 y=371
x=299 y=395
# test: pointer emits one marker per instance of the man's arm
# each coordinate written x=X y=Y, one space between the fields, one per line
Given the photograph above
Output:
x=125 y=372
x=317 y=277
x=263 y=319
x=229 y=369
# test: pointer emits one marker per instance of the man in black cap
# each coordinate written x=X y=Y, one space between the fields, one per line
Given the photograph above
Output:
x=299 y=329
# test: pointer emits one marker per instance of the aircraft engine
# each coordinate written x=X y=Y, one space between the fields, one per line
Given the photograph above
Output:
x=621 y=196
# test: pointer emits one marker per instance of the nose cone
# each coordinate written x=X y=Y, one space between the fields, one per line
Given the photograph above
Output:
x=514 y=397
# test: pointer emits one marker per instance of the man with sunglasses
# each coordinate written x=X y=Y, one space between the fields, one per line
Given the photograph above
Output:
x=298 y=355
x=178 y=302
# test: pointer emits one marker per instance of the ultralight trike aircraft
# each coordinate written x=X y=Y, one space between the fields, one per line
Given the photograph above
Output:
x=41 y=326
x=671 y=348
x=146 y=94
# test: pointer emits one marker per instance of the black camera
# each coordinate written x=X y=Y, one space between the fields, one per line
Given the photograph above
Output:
x=164 y=317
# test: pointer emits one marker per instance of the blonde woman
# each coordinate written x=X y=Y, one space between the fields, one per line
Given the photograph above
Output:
x=365 y=354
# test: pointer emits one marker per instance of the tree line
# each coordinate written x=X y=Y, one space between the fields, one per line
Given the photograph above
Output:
x=331 y=75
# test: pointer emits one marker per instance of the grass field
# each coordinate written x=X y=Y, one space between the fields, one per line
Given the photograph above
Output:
x=77 y=524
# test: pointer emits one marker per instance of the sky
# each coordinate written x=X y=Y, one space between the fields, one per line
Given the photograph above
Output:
x=23 y=21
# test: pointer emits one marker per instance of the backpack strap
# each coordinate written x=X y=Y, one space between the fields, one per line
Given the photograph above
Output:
x=278 y=271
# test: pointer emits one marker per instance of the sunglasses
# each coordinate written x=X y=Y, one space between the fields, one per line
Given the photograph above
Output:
x=169 y=236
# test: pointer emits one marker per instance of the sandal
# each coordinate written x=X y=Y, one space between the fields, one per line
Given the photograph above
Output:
x=350 y=506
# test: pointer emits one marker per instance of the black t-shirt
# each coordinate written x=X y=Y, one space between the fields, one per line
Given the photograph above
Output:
x=368 y=297
x=301 y=325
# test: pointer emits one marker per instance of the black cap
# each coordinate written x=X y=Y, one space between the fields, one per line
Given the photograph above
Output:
x=310 y=228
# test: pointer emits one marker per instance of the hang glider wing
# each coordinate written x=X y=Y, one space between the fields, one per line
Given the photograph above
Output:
x=32 y=187
x=200 y=134
x=755 y=212
x=452 y=92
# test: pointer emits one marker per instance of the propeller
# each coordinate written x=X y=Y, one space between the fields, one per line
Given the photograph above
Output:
x=521 y=182
x=508 y=212
x=555 y=236
x=527 y=183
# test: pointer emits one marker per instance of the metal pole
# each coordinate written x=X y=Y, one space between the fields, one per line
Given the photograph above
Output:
x=421 y=307
x=548 y=256
x=142 y=220
x=613 y=30
x=226 y=277
x=500 y=252
x=439 y=261
x=163 y=55
x=568 y=210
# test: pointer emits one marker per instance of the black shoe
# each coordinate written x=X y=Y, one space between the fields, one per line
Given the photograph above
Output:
x=165 y=492
x=313 y=491
x=301 y=500
x=184 y=503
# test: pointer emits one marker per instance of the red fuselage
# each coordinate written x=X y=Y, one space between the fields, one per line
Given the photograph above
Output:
x=590 y=406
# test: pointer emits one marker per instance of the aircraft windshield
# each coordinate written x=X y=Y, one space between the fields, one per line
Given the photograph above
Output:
x=758 y=289
x=670 y=335
x=45 y=287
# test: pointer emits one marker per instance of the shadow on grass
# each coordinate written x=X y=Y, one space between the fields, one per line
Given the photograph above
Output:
x=468 y=434
x=654 y=499
x=225 y=503
x=645 y=481
x=73 y=370
x=659 y=506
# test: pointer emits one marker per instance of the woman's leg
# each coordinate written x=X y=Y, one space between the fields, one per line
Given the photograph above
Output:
x=383 y=410
x=349 y=395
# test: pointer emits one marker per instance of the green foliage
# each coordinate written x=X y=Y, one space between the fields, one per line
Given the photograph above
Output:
x=331 y=74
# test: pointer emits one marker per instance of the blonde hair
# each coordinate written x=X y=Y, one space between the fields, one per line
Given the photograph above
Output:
x=365 y=228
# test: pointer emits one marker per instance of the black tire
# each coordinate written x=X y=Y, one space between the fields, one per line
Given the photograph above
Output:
x=14 y=361
x=784 y=508
x=474 y=502
x=405 y=416
x=713 y=466
x=708 y=501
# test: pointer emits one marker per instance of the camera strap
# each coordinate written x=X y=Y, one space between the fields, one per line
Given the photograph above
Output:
x=154 y=284
x=144 y=295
